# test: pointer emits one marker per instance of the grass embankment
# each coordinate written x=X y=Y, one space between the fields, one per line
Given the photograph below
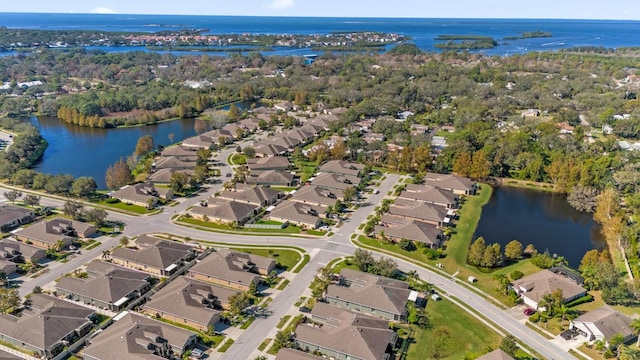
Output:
x=207 y=225
x=306 y=169
x=455 y=334
x=124 y=206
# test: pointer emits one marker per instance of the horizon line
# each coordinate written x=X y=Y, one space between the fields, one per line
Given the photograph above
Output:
x=312 y=16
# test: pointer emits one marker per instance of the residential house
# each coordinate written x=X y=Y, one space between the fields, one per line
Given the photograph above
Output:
x=370 y=294
x=190 y=302
x=12 y=216
x=141 y=194
x=224 y=211
x=457 y=184
x=317 y=195
x=46 y=326
x=419 y=129
x=430 y=195
x=198 y=142
x=268 y=163
x=603 y=324
x=346 y=335
x=336 y=181
x=300 y=214
x=155 y=256
x=342 y=167
x=179 y=152
x=18 y=252
x=233 y=269
x=396 y=229
x=532 y=288
x=264 y=149
x=531 y=113
x=373 y=137
x=108 y=286
x=135 y=337
x=8 y=356
x=497 y=354
x=293 y=354
x=163 y=176
x=251 y=124
x=271 y=177
x=413 y=210
x=259 y=196
x=55 y=232
x=175 y=163
x=285 y=106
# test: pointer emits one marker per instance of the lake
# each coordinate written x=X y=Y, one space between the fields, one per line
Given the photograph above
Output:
x=84 y=151
x=540 y=218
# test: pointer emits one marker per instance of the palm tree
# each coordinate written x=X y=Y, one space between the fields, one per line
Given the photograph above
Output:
x=563 y=311
x=628 y=353
x=615 y=342
x=635 y=325
x=413 y=276
x=106 y=255
x=599 y=345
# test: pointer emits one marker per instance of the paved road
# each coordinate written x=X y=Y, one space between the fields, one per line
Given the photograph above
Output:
x=321 y=251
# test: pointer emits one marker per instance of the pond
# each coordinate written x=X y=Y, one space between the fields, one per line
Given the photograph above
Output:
x=540 y=218
x=84 y=151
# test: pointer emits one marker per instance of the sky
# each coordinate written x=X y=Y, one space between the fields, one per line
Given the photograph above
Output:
x=540 y=9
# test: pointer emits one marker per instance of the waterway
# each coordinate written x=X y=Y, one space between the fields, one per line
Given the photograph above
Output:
x=540 y=218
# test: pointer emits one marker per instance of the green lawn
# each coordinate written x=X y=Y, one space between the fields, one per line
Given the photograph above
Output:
x=291 y=229
x=287 y=259
x=268 y=222
x=454 y=331
x=283 y=321
x=264 y=344
x=126 y=207
x=284 y=188
x=316 y=232
x=238 y=159
x=304 y=262
x=306 y=169
x=227 y=344
x=284 y=284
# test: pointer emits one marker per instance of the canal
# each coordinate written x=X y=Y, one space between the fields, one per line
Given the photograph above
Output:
x=540 y=218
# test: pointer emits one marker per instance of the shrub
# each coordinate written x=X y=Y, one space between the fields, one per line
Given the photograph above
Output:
x=407 y=245
x=517 y=275
x=432 y=254
x=585 y=299
x=535 y=317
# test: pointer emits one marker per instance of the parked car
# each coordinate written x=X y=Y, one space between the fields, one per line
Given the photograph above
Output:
x=529 y=311
x=196 y=353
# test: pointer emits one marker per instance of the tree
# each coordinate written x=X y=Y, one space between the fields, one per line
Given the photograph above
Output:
x=480 y=166
x=476 y=251
x=234 y=113
x=282 y=340
x=407 y=245
x=509 y=345
x=321 y=281
x=179 y=181
x=238 y=302
x=513 y=250
x=118 y=175
x=124 y=241
x=363 y=259
x=615 y=341
x=106 y=255
x=12 y=195
x=504 y=282
x=249 y=152
x=253 y=289
x=31 y=200
x=84 y=186
x=463 y=164
x=628 y=353
x=97 y=216
x=72 y=208
x=349 y=193
x=144 y=146
x=59 y=184
x=9 y=300
x=583 y=198
x=635 y=325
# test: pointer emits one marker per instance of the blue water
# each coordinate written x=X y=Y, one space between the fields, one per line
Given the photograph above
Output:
x=566 y=33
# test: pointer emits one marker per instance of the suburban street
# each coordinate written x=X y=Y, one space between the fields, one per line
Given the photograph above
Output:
x=321 y=251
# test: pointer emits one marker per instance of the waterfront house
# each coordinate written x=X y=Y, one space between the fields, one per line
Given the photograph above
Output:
x=12 y=216
x=533 y=287
x=180 y=152
x=233 y=269
x=225 y=211
x=154 y=256
x=457 y=184
x=142 y=194
x=19 y=252
x=297 y=213
x=395 y=229
x=175 y=163
x=190 y=302
x=603 y=324
x=345 y=334
x=430 y=195
x=46 y=326
x=412 y=210
x=370 y=294
x=251 y=124
x=107 y=286
x=199 y=142
x=51 y=233
x=163 y=176
x=135 y=337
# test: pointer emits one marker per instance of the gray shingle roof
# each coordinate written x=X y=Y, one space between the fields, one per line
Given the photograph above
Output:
x=342 y=167
x=448 y=181
x=232 y=266
x=268 y=163
x=226 y=210
x=298 y=212
x=336 y=181
x=410 y=229
x=418 y=211
x=48 y=321
x=317 y=195
x=271 y=177
x=137 y=192
x=545 y=282
x=256 y=195
x=155 y=253
x=293 y=354
x=134 y=337
x=50 y=231
x=430 y=194
x=358 y=335
x=608 y=321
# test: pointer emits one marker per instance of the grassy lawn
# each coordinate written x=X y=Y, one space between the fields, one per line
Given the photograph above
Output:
x=247 y=323
x=126 y=207
x=291 y=229
x=528 y=185
x=306 y=169
x=284 y=284
x=304 y=262
x=238 y=159
x=227 y=344
x=316 y=232
x=264 y=344
x=283 y=321
x=460 y=333
x=286 y=258
x=591 y=352
x=268 y=222
x=284 y=188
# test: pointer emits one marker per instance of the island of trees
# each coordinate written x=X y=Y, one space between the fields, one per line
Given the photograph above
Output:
x=465 y=42
x=530 y=35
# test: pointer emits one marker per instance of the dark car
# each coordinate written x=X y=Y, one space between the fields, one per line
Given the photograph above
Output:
x=529 y=312
x=304 y=309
